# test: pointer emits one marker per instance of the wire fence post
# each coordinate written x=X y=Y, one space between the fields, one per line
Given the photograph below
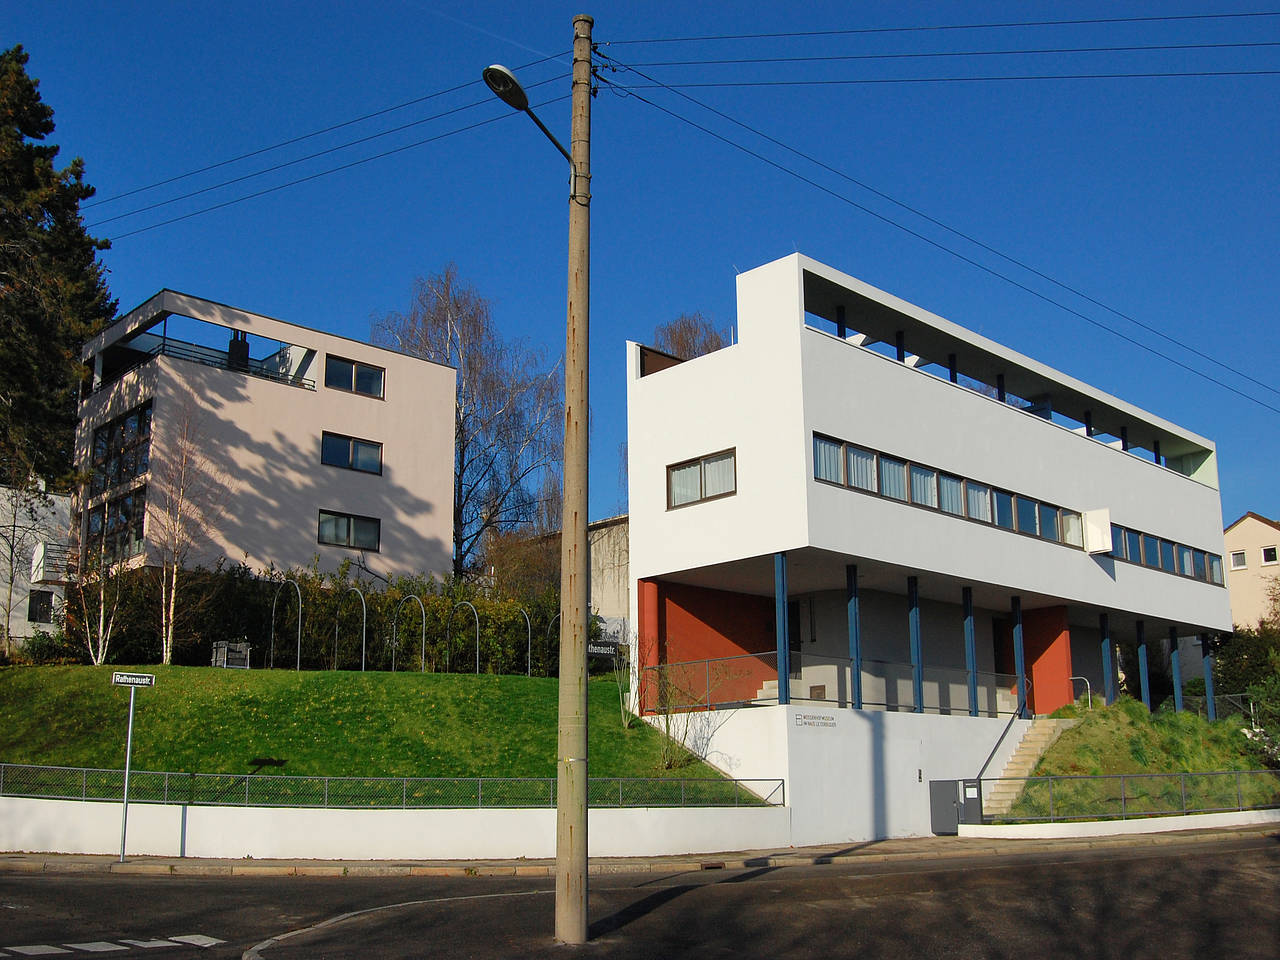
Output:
x=1051 y=817
x=1183 y=778
x=1239 y=794
x=479 y=792
x=619 y=791
x=1122 y=806
x=404 y=793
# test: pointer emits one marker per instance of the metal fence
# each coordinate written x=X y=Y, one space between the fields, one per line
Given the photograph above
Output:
x=1122 y=796
x=886 y=685
x=265 y=790
x=1224 y=705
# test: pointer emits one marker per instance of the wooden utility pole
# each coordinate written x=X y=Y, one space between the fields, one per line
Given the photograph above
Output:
x=571 y=774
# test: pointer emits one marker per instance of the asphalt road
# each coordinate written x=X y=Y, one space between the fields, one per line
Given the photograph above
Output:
x=1202 y=900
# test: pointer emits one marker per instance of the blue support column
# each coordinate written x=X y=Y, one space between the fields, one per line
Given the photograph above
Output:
x=855 y=632
x=1206 y=648
x=1143 y=679
x=917 y=665
x=1175 y=666
x=970 y=649
x=1108 y=661
x=782 y=626
x=1020 y=658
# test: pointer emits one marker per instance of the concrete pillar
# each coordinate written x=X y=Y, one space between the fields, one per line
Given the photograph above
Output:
x=970 y=649
x=1176 y=668
x=855 y=633
x=1020 y=658
x=917 y=664
x=1206 y=649
x=1108 y=660
x=1143 y=679
x=782 y=626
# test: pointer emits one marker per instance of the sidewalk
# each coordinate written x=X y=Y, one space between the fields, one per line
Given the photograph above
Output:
x=876 y=851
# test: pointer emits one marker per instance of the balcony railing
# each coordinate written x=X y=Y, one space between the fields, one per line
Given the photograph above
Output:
x=209 y=357
x=750 y=679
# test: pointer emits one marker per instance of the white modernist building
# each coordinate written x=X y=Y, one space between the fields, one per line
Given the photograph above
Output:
x=861 y=513
x=299 y=443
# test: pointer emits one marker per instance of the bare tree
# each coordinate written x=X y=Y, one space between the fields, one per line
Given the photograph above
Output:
x=99 y=584
x=185 y=490
x=689 y=335
x=26 y=517
x=508 y=412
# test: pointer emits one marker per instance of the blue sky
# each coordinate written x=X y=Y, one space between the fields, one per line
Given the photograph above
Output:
x=1156 y=196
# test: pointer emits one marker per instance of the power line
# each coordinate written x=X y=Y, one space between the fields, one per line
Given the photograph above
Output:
x=959 y=233
x=298 y=139
x=958 y=53
x=947 y=26
x=940 y=246
x=872 y=80
x=325 y=173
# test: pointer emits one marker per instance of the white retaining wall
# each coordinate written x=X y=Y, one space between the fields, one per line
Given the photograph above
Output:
x=71 y=826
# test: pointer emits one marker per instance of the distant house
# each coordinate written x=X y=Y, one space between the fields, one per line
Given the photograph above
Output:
x=33 y=532
x=307 y=444
x=1253 y=566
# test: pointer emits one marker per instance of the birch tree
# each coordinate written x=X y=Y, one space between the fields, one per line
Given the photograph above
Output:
x=508 y=411
x=185 y=491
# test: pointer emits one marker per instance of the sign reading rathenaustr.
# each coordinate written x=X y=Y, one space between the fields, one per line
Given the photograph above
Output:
x=122 y=679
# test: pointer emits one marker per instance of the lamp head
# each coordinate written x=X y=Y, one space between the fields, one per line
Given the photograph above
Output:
x=504 y=83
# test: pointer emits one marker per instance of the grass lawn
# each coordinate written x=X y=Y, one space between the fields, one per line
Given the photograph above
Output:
x=205 y=720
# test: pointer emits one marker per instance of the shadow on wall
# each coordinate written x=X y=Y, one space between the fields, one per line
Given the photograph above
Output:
x=271 y=486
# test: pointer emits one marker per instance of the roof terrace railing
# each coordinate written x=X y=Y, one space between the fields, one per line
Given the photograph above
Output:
x=210 y=358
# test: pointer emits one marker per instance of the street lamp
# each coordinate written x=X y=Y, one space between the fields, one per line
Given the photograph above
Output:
x=571 y=759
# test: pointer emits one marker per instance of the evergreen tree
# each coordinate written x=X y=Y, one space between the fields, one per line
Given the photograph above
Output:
x=53 y=295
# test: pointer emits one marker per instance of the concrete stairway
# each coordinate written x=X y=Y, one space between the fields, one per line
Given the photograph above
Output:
x=998 y=796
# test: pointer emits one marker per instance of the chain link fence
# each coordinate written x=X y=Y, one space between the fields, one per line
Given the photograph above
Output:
x=265 y=790
x=1121 y=796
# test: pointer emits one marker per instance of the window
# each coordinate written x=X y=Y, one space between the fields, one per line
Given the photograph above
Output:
x=1268 y=556
x=1027 y=515
x=117 y=526
x=121 y=449
x=703 y=479
x=1049 y=523
x=339 y=451
x=862 y=469
x=1167 y=557
x=40 y=606
x=1004 y=508
x=347 y=530
x=893 y=478
x=1133 y=546
x=1215 y=569
x=1238 y=561
x=828 y=460
x=978 y=501
x=951 y=494
x=1185 y=565
x=353 y=377
x=1150 y=550
x=1072 y=529
x=924 y=486
x=1199 y=562
x=1118 y=542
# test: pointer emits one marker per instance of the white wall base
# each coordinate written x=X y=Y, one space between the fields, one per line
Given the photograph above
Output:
x=69 y=826
x=1112 y=828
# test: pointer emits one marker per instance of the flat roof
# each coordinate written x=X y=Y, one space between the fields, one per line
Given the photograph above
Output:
x=881 y=316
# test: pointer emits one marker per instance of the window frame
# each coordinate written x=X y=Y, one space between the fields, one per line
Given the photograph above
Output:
x=1275 y=555
x=355 y=377
x=702 y=478
x=350 y=518
x=45 y=599
x=1244 y=559
x=351 y=459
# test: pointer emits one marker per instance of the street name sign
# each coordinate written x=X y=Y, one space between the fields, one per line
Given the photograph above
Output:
x=122 y=679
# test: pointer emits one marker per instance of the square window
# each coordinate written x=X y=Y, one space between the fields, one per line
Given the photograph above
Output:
x=924 y=486
x=951 y=494
x=346 y=530
x=1150 y=551
x=339 y=374
x=40 y=606
x=893 y=478
x=1268 y=556
x=1238 y=559
x=1049 y=522
x=1167 y=561
x=1072 y=529
x=978 y=501
x=828 y=460
x=1004 y=509
x=1027 y=514
x=862 y=469
x=703 y=479
x=718 y=477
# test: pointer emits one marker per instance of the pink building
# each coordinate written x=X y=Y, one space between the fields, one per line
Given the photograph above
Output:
x=304 y=444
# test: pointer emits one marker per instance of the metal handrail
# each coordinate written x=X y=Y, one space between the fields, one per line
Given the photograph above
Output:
x=180 y=352
x=1017 y=714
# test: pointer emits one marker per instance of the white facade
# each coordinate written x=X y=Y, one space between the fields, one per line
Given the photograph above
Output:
x=309 y=445
x=870 y=468
x=32 y=523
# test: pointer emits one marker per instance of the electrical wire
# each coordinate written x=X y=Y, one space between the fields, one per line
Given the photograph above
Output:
x=952 y=230
x=958 y=53
x=949 y=26
x=940 y=246
x=300 y=139
x=877 y=80
x=325 y=173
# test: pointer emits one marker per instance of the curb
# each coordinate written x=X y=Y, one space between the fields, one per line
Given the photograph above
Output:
x=942 y=849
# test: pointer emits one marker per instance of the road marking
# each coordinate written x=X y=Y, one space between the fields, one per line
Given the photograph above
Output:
x=149 y=944
x=97 y=946
x=37 y=950
x=198 y=940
